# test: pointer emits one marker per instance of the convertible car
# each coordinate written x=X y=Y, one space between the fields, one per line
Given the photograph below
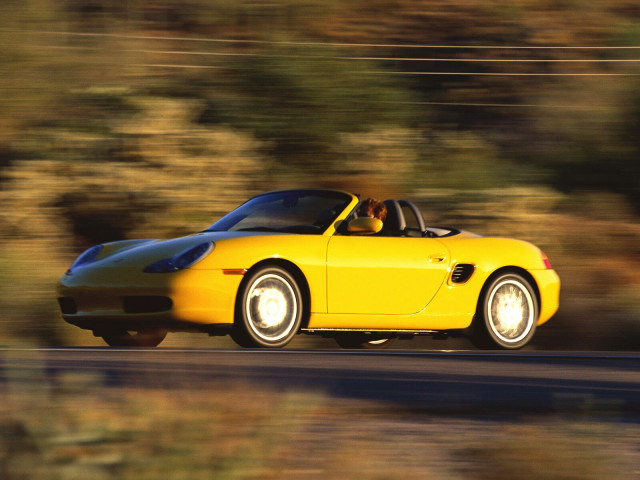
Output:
x=301 y=261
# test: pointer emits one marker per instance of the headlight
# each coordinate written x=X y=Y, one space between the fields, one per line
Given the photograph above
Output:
x=182 y=260
x=88 y=256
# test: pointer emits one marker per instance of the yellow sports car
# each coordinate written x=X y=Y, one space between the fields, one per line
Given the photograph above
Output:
x=301 y=261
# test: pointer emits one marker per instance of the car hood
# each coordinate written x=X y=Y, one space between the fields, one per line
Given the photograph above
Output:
x=141 y=253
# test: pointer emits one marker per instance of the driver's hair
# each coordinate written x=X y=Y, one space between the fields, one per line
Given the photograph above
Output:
x=373 y=208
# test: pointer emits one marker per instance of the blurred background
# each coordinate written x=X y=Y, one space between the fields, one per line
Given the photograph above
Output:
x=151 y=118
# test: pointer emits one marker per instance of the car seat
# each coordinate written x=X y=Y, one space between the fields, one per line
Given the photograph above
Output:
x=395 y=223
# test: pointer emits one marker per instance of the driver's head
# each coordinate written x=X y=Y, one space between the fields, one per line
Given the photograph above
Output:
x=372 y=208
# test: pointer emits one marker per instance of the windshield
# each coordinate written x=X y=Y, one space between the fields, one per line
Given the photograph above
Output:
x=292 y=211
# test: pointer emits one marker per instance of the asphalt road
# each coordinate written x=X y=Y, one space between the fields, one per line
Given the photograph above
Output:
x=438 y=382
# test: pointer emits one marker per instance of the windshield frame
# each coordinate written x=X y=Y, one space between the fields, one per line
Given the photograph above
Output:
x=339 y=205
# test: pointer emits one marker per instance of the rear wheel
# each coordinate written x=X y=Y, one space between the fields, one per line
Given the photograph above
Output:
x=143 y=338
x=269 y=312
x=363 y=340
x=507 y=313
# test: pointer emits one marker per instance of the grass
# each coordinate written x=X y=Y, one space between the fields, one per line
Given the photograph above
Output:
x=74 y=425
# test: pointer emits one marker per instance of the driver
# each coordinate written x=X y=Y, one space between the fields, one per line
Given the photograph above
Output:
x=373 y=208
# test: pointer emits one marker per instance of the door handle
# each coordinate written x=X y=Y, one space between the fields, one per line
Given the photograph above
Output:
x=437 y=258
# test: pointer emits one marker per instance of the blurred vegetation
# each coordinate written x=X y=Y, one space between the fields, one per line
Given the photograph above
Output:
x=216 y=429
x=153 y=118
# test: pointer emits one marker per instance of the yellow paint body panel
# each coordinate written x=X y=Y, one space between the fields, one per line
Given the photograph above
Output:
x=383 y=275
x=549 y=285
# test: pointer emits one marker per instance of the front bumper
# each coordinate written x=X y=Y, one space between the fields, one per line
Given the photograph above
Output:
x=108 y=298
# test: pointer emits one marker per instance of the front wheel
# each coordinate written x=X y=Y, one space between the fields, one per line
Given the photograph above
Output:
x=507 y=313
x=269 y=310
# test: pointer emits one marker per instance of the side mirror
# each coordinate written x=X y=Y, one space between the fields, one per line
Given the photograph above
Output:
x=364 y=226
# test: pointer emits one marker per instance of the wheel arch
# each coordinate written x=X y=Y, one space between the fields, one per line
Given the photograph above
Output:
x=294 y=271
x=479 y=332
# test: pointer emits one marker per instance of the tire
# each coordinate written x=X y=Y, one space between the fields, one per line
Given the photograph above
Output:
x=507 y=313
x=147 y=338
x=363 y=341
x=269 y=309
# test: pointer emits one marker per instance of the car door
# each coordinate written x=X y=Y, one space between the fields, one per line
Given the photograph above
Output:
x=383 y=275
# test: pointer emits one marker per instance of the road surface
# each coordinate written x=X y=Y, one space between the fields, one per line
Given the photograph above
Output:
x=437 y=382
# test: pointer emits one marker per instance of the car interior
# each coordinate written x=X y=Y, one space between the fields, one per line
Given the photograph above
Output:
x=404 y=219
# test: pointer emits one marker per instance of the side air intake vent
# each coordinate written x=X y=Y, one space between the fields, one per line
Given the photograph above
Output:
x=462 y=272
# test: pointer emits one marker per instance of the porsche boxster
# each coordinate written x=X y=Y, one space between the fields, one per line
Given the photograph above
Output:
x=301 y=261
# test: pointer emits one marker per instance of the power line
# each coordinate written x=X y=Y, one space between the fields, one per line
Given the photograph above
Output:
x=453 y=74
x=329 y=44
x=161 y=65
x=408 y=73
x=372 y=58
x=514 y=105
x=395 y=59
x=512 y=74
x=496 y=60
